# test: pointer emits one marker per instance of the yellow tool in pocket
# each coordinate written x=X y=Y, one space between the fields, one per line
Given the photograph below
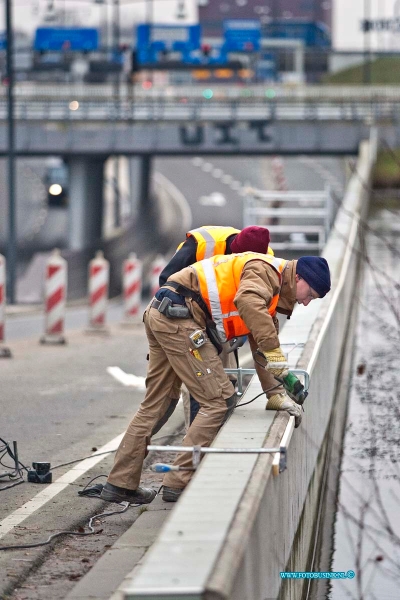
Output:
x=196 y=354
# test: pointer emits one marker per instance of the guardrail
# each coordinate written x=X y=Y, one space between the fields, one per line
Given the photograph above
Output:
x=201 y=110
x=78 y=91
x=297 y=220
x=234 y=529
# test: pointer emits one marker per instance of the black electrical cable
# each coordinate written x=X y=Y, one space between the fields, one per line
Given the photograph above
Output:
x=16 y=472
x=258 y=395
x=7 y=487
x=59 y=533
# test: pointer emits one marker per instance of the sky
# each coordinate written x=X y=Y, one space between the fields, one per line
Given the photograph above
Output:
x=30 y=14
x=347 y=17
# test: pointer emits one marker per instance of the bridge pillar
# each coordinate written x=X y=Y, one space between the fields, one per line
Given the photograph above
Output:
x=85 y=201
x=140 y=178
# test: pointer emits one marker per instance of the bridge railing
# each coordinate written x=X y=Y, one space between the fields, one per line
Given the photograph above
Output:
x=318 y=93
x=296 y=220
x=182 y=109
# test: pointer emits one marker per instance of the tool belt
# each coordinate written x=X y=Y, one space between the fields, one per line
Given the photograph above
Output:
x=170 y=310
x=211 y=328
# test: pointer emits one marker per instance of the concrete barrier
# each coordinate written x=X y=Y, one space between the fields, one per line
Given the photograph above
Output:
x=237 y=526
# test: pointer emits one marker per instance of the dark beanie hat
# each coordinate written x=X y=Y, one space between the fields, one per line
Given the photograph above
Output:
x=251 y=239
x=315 y=271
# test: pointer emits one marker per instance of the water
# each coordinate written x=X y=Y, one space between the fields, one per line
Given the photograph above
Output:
x=366 y=536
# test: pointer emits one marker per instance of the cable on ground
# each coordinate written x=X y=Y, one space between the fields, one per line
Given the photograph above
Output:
x=125 y=505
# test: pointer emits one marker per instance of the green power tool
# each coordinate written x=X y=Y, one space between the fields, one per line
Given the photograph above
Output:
x=293 y=387
x=292 y=384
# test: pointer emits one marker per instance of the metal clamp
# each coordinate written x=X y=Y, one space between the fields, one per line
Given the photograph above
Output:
x=197 y=451
x=240 y=373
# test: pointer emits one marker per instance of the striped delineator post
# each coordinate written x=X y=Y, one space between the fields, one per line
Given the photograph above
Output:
x=99 y=278
x=278 y=169
x=4 y=352
x=55 y=298
x=156 y=268
x=132 y=287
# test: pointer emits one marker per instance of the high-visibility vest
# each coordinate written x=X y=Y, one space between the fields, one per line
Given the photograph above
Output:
x=211 y=240
x=219 y=279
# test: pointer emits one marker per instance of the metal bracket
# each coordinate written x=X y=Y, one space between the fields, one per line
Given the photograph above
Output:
x=282 y=459
x=240 y=373
x=280 y=455
x=196 y=456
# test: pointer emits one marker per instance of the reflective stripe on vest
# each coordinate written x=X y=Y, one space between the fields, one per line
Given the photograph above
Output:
x=211 y=240
x=219 y=279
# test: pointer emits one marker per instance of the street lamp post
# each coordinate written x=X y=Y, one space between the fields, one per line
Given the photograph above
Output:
x=116 y=31
x=367 y=43
x=11 y=244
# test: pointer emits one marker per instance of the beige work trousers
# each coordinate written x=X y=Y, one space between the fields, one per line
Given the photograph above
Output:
x=171 y=362
x=228 y=362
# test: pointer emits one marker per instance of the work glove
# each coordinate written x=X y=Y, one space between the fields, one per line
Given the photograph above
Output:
x=290 y=382
x=236 y=343
x=283 y=402
x=275 y=356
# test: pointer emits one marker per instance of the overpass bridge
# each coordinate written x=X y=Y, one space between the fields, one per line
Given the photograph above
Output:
x=86 y=124
x=96 y=121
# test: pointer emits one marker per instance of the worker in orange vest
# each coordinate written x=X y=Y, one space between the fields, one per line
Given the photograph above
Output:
x=216 y=299
x=204 y=242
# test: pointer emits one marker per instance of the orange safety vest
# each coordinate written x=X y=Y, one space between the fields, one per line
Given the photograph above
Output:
x=219 y=279
x=211 y=240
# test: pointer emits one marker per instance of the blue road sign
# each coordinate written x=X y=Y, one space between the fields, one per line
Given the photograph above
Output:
x=50 y=38
x=154 y=41
x=3 y=40
x=242 y=35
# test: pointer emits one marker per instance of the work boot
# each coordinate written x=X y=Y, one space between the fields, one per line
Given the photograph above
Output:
x=113 y=493
x=171 y=494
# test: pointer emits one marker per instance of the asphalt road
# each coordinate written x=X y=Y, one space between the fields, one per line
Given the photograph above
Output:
x=60 y=404
x=213 y=185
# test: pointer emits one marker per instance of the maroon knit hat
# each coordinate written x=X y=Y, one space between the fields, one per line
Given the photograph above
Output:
x=251 y=239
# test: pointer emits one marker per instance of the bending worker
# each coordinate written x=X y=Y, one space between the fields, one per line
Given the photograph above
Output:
x=204 y=242
x=219 y=298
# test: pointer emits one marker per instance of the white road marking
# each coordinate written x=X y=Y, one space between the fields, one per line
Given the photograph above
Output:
x=214 y=199
x=127 y=379
x=19 y=515
x=226 y=179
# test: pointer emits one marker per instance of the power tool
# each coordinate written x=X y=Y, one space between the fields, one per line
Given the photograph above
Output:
x=293 y=387
x=292 y=384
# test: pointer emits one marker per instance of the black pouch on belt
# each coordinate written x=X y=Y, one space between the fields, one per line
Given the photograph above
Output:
x=173 y=312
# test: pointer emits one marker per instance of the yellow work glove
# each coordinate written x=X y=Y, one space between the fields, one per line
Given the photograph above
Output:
x=276 y=356
x=283 y=402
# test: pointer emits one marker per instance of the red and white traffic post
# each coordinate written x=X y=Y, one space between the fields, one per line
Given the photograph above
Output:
x=278 y=169
x=132 y=287
x=55 y=299
x=156 y=268
x=99 y=279
x=4 y=352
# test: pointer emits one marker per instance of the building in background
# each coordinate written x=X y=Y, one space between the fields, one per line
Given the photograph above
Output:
x=212 y=13
x=359 y=25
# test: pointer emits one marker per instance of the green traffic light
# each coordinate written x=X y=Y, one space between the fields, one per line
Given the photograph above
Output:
x=208 y=94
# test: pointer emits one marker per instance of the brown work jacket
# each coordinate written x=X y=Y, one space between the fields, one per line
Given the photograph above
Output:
x=259 y=283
